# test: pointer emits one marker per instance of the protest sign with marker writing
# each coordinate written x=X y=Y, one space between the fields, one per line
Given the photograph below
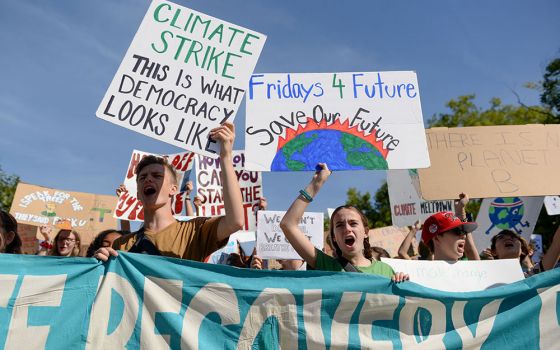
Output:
x=350 y=121
x=184 y=73
x=492 y=161
x=209 y=187
x=271 y=242
x=405 y=197
x=88 y=213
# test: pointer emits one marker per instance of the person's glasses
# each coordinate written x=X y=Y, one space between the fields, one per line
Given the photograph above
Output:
x=68 y=240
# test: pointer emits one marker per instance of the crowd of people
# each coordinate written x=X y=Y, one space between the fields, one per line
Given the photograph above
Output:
x=445 y=235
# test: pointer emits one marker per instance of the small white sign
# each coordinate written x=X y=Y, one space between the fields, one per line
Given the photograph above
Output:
x=460 y=276
x=271 y=242
x=406 y=201
x=552 y=205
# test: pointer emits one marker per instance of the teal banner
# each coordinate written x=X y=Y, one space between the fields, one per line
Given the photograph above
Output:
x=148 y=302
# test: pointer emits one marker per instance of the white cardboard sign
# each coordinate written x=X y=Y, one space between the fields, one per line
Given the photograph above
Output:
x=209 y=187
x=130 y=208
x=552 y=205
x=350 y=121
x=472 y=275
x=406 y=201
x=271 y=242
x=518 y=214
x=184 y=73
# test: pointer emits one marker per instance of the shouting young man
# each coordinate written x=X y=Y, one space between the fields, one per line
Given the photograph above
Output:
x=162 y=234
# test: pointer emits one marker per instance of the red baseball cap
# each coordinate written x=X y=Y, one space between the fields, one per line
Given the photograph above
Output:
x=442 y=222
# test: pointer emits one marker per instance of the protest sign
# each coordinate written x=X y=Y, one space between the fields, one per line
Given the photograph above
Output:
x=518 y=214
x=271 y=242
x=245 y=240
x=209 y=187
x=88 y=213
x=184 y=73
x=350 y=121
x=492 y=161
x=460 y=276
x=552 y=205
x=405 y=197
x=388 y=238
x=538 y=252
x=144 y=301
x=130 y=208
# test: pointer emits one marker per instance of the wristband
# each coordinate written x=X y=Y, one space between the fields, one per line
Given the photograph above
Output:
x=306 y=195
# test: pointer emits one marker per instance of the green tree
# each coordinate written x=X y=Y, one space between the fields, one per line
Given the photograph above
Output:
x=8 y=184
x=464 y=112
x=550 y=88
x=378 y=213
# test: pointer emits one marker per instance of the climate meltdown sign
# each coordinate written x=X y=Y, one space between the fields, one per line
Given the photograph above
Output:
x=140 y=301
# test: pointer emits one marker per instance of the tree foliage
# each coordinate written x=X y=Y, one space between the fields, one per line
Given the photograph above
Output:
x=550 y=96
x=378 y=213
x=8 y=184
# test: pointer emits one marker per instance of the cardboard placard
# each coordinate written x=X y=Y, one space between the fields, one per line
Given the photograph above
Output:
x=184 y=73
x=406 y=201
x=389 y=238
x=88 y=213
x=271 y=242
x=130 y=208
x=518 y=214
x=460 y=276
x=350 y=121
x=209 y=187
x=492 y=161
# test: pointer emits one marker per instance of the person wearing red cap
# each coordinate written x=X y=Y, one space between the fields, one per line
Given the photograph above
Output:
x=446 y=235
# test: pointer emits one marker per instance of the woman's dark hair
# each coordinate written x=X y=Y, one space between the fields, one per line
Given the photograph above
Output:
x=367 y=247
x=9 y=224
x=524 y=245
x=98 y=241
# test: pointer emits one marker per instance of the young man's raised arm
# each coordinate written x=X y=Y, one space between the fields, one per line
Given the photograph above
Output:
x=234 y=219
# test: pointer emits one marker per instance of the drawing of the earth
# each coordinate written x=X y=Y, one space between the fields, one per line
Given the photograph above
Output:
x=338 y=149
x=506 y=213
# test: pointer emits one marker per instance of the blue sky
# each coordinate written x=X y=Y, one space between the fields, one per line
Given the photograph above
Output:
x=58 y=58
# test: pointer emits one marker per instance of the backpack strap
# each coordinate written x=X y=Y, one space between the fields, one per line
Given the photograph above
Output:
x=346 y=265
x=143 y=245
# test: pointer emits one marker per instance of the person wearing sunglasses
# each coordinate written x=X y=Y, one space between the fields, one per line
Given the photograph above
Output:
x=448 y=237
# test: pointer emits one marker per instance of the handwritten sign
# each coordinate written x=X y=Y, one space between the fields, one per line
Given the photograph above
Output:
x=350 y=121
x=405 y=197
x=184 y=73
x=492 y=161
x=88 y=213
x=552 y=205
x=518 y=214
x=209 y=187
x=130 y=208
x=473 y=275
x=271 y=242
